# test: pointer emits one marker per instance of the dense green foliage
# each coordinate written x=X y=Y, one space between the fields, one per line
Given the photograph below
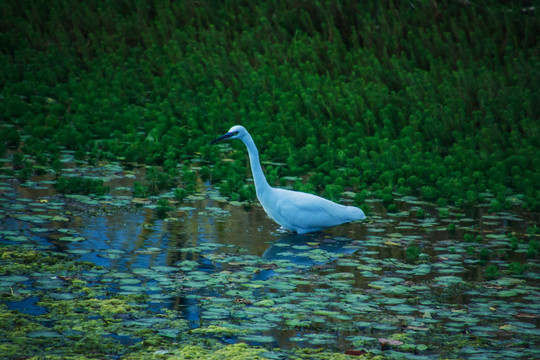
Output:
x=79 y=185
x=438 y=99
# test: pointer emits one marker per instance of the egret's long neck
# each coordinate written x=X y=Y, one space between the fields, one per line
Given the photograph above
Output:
x=258 y=176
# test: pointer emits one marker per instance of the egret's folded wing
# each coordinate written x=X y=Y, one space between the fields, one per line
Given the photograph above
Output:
x=309 y=211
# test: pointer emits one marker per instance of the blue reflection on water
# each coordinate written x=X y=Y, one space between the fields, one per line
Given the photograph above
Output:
x=27 y=306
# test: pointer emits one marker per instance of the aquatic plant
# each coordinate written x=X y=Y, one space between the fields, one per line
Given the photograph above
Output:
x=180 y=194
x=533 y=248
x=11 y=137
x=163 y=208
x=492 y=272
x=331 y=97
x=517 y=268
x=413 y=253
x=155 y=182
x=140 y=190
x=514 y=242
x=405 y=282
x=484 y=256
x=80 y=185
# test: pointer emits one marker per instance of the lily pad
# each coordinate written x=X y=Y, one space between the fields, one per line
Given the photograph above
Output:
x=71 y=238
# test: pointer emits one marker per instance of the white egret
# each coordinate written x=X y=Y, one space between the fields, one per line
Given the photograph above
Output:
x=296 y=211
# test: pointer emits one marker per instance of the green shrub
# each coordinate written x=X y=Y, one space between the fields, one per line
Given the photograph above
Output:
x=80 y=185
x=140 y=191
x=443 y=114
x=517 y=268
x=413 y=253
x=533 y=248
x=492 y=272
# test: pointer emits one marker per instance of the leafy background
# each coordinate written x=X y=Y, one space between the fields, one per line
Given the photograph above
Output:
x=431 y=98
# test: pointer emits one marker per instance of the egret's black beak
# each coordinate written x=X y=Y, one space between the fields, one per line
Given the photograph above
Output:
x=223 y=137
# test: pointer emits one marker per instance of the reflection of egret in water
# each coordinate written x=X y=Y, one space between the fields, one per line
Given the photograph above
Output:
x=307 y=250
x=290 y=253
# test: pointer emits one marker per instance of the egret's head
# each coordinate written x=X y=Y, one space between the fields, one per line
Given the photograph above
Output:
x=236 y=132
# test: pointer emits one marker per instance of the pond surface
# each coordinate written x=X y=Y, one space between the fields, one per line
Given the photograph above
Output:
x=439 y=282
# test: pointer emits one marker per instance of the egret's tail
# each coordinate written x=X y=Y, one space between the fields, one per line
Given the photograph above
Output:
x=355 y=213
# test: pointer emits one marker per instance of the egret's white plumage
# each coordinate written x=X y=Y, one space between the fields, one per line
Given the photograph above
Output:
x=294 y=210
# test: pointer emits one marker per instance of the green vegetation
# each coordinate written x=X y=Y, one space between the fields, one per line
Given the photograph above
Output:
x=155 y=182
x=413 y=253
x=81 y=319
x=163 y=208
x=87 y=276
x=433 y=99
x=180 y=194
x=79 y=185
x=492 y=272
x=517 y=268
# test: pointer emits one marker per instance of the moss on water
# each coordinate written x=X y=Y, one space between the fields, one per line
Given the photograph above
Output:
x=79 y=320
x=218 y=330
x=89 y=325
x=242 y=351
x=235 y=351
x=323 y=354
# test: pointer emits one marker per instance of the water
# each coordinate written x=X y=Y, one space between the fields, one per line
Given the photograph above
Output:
x=392 y=276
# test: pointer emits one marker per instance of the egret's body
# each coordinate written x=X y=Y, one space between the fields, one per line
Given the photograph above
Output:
x=293 y=210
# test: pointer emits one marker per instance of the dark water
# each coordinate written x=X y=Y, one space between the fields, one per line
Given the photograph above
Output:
x=127 y=239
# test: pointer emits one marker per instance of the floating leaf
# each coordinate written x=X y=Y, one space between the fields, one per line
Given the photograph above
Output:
x=390 y=342
x=71 y=238
x=257 y=338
